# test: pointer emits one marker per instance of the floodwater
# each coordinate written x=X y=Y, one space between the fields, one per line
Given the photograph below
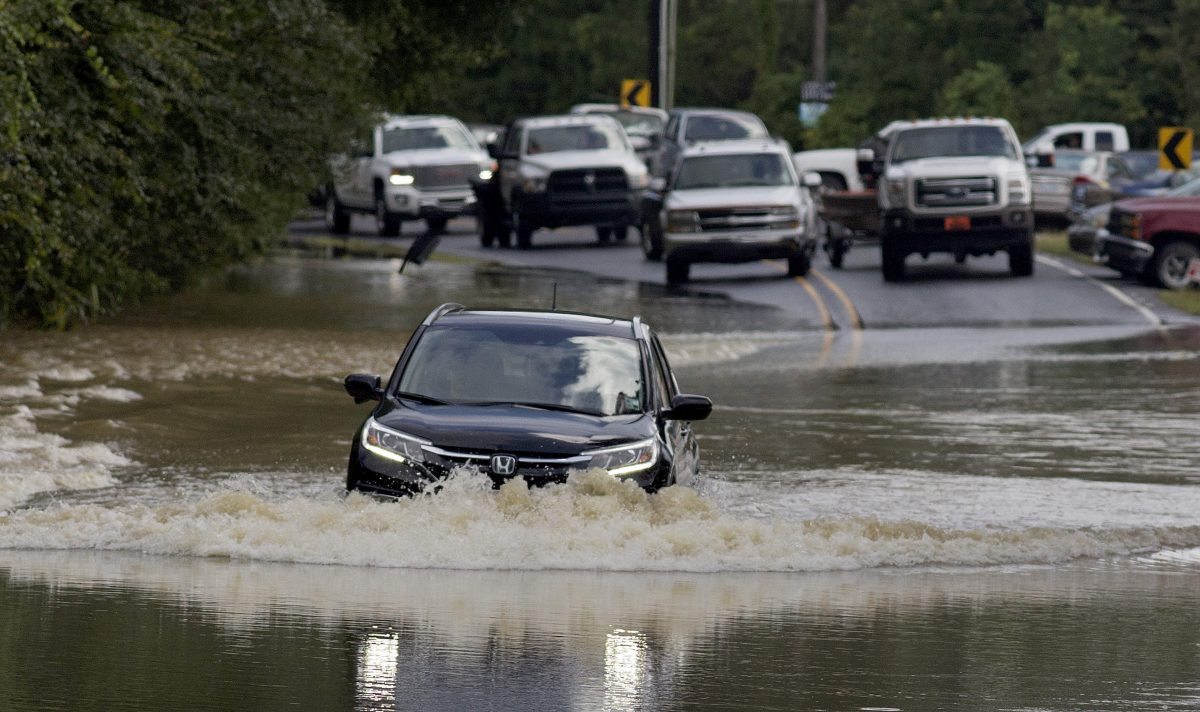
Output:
x=954 y=518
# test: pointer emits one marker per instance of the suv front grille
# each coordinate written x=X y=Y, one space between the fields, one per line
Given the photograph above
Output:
x=749 y=218
x=955 y=192
x=443 y=177
x=528 y=465
x=587 y=180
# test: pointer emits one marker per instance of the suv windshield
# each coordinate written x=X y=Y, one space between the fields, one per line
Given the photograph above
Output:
x=579 y=137
x=425 y=138
x=722 y=128
x=732 y=171
x=499 y=364
x=939 y=141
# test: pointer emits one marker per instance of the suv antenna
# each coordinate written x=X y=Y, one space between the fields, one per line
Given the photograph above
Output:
x=554 y=298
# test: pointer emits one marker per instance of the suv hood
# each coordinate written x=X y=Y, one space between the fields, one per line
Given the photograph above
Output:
x=515 y=429
x=560 y=160
x=956 y=166
x=434 y=157
x=732 y=197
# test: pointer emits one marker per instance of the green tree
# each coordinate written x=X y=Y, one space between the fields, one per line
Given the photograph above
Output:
x=983 y=90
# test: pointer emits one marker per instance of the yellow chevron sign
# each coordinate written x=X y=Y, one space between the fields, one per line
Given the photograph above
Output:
x=635 y=92
x=1174 y=148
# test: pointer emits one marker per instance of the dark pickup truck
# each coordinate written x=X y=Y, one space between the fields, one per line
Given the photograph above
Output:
x=1154 y=239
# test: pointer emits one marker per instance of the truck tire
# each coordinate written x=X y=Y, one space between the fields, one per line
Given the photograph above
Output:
x=893 y=263
x=798 y=264
x=523 y=230
x=1168 y=268
x=603 y=233
x=337 y=218
x=436 y=225
x=620 y=233
x=652 y=246
x=1020 y=259
x=677 y=271
x=386 y=222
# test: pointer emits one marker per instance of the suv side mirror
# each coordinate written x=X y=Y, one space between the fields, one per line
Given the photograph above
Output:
x=363 y=387
x=688 y=407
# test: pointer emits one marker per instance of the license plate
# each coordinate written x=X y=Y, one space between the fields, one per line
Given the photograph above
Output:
x=958 y=222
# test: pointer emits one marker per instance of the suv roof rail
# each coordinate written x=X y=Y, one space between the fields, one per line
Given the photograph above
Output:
x=638 y=331
x=441 y=311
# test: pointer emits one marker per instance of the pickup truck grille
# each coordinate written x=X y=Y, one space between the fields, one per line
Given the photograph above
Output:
x=955 y=192
x=587 y=180
x=443 y=177
x=728 y=219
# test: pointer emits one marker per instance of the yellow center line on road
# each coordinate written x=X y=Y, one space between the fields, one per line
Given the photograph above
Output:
x=856 y=321
x=826 y=319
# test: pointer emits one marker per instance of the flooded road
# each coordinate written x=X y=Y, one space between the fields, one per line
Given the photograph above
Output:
x=925 y=518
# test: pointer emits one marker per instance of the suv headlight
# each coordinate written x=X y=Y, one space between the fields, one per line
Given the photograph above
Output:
x=895 y=192
x=401 y=176
x=788 y=217
x=533 y=184
x=683 y=221
x=1018 y=190
x=392 y=444
x=625 y=460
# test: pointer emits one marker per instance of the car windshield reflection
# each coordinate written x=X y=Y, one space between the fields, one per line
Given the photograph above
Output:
x=733 y=171
x=600 y=375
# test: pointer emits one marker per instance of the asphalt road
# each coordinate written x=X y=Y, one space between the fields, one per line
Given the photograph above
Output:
x=937 y=292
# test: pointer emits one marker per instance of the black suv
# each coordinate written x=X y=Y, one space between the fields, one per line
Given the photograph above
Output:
x=530 y=394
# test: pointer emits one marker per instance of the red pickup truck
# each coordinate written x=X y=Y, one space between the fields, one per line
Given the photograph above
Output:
x=1154 y=239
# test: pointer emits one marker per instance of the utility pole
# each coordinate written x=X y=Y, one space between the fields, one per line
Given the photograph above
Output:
x=662 y=51
x=653 y=26
x=820 y=21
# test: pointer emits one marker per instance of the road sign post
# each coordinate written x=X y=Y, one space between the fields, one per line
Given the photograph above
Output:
x=635 y=92
x=1174 y=148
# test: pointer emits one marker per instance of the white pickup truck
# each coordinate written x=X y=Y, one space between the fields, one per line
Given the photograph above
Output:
x=953 y=185
x=410 y=168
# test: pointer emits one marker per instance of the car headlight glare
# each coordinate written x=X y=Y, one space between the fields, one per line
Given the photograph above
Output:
x=401 y=178
x=625 y=460
x=683 y=221
x=392 y=444
x=485 y=174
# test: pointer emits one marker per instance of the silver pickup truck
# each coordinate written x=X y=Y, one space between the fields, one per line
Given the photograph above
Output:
x=409 y=168
x=954 y=185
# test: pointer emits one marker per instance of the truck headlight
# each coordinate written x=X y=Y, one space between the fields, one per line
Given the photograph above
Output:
x=392 y=444
x=785 y=217
x=533 y=184
x=401 y=176
x=639 y=180
x=895 y=191
x=683 y=221
x=625 y=460
x=1018 y=190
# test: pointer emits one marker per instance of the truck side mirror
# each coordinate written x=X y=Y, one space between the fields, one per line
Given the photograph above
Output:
x=812 y=180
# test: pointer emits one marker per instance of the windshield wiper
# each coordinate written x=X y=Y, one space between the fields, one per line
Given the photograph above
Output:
x=422 y=398
x=542 y=406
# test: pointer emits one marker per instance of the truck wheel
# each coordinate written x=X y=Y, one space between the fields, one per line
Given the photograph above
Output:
x=386 y=222
x=523 y=230
x=1169 y=266
x=487 y=232
x=621 y=233
x=603 y=233
x=1020 y=259
x=337 y=218
x=652 y=246
x=436 y=225
x=677 y=271
x=893 y=263
x=798 y=264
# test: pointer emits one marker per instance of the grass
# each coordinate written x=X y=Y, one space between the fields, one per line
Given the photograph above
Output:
x=1054 y=242
x=1187 y=300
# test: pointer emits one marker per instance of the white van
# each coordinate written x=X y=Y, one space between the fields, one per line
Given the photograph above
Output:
x=1084 y=135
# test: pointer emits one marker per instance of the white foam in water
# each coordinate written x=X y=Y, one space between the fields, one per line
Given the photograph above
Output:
x=592 y=523
x=33 y=462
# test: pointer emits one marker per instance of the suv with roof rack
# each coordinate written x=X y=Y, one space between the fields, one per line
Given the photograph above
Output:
x=524 y=394
x=409 y=168
x=953 y=185
x=732 y=201
x=579 y=169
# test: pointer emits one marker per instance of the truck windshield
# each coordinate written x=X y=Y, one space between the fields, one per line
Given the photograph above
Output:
x=580 y=137
x=947 y=141
x=498 y=364
x=423 y=138
x=636 y=123
x=733 y=171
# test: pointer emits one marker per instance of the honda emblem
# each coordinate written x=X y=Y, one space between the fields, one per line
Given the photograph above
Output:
x=504 y=464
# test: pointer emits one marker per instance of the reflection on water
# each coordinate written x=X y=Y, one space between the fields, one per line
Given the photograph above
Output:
x=625 y=669
x=378 y=659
